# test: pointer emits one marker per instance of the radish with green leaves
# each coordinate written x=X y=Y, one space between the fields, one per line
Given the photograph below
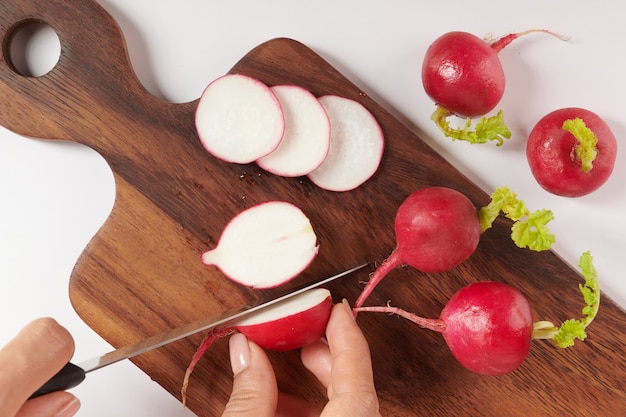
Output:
x=437 y=228
x=571 y=152
x=463 y=75
x=265 y=245
x=286 y=325
x=488 y=326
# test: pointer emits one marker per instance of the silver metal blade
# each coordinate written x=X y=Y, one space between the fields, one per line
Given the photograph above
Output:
x=204 y=324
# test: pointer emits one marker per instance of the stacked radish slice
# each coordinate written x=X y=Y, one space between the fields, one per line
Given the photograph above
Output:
x=287 y=131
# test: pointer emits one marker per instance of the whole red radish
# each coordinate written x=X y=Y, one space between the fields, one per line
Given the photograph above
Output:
x=488 y=326
x=463 y=75
x=436 y=229
x=571 y=152
x=286 y=325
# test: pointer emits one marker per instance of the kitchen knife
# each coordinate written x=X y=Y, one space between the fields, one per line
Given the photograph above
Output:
x=71 y=375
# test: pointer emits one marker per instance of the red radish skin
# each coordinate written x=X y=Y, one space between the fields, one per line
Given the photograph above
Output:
x=552 y=157
x=488 y=326
x=239 y=119
x=463 y=74
x=436 y=229
x=287 y=325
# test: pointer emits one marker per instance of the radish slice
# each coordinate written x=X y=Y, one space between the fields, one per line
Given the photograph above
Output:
x=289 y=324
x=356 y=145
x=265 y=245
x=306 y=138
x=239 y=119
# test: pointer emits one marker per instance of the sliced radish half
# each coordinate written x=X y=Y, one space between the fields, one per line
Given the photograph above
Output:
x=239 y=119
x=289 y=324
x=306 y=139
x=356 y=145
x=265 y=245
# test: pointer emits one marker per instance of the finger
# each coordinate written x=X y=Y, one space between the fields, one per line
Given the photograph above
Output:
x=317 y=359
x=291 y=406
x=255 y=393
x=351 y=391
x=38 y=352
x=55 y=404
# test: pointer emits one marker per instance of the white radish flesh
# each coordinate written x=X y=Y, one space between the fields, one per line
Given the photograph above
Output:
x=306 y=139
x=356 y=145
x=239 y=119
x=265 y=245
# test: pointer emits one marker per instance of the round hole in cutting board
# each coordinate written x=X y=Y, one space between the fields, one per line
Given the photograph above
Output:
x=34 y=49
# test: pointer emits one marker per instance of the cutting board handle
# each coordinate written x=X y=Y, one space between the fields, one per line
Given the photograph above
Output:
x=92 y=82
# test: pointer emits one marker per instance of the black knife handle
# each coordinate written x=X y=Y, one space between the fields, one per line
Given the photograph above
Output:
x=68 y=377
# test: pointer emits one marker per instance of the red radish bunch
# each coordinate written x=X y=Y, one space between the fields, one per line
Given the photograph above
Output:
x=488 y=326
x=436 y=229
x=463 y=75
x=287 y=131
x=571 y=152
x=286 y=325
x=265 y=246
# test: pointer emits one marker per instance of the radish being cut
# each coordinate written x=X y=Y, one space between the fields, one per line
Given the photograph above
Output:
x=265 y=245
x=306 y=139
x=286 y=325
x=239 y=119
x=356 y=145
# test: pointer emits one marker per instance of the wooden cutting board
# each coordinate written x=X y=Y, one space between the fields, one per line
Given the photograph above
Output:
x=141 y=273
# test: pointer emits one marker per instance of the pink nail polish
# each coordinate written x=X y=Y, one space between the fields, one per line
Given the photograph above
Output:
x=239 y=352
x=70 y=409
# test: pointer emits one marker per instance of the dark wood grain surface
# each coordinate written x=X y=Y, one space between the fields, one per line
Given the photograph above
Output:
x=141 y=273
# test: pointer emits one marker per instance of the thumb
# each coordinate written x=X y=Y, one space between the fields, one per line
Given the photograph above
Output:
x=255 y=392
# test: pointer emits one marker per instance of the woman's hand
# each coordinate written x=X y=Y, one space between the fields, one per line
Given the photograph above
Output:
x=34 y=356
x=343 y=366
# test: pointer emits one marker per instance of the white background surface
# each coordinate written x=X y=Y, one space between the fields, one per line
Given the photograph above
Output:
x=56 y=195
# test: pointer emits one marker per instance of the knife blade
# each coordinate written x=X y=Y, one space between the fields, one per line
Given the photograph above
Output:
x=73 y=374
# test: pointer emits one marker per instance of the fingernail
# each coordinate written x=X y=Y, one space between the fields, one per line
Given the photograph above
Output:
x=239 y=352
x=70 y=409
x=348 y=307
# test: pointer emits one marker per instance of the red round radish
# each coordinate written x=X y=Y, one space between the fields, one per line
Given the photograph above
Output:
x=286 y=325
x=356 y=145
x=571 y=159
x=488 y=326
x=463 y=74
x=306 y=139
x=265 y=245
x=436 y=229
x=239 y=119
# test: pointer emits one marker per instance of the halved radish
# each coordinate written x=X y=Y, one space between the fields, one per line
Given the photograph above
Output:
x=239 y=119
x=356 y=145
x=306 y=139
x=286 y=325
x=265 y=245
